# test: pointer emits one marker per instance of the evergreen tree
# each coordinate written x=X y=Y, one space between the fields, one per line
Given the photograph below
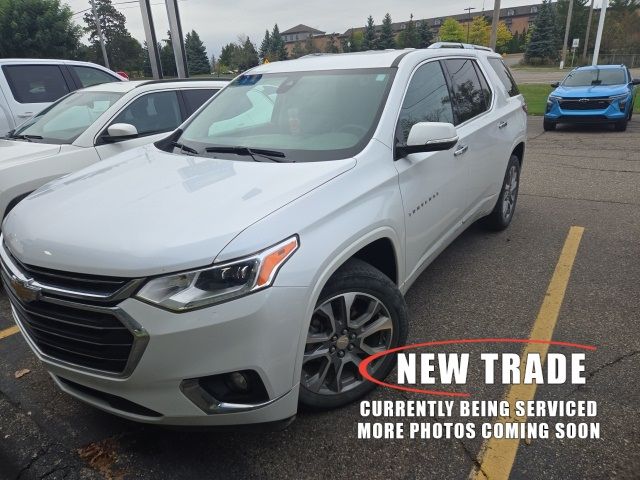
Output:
x=387 y=39
x=146 y=60
x=298 y=50
x=409 y=37
x=451 y=31
x=277 y=51
x=124 y=51
x=167 y=58
x=197 y=60
x=369 y=39
x=265 y=46
x=309 y=46
x=543 y=46
x=425 y=35
x=246 y=56
x=228 y=56
x=37 y=29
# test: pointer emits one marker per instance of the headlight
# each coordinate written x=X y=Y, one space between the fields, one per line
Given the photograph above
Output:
x=621 y=99
x=553 y=98
x=199 y=288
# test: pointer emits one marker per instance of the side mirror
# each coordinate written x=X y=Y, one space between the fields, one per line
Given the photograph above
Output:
x=428 y=137
x=635 y=81
x=119 y=131
x=555 y=84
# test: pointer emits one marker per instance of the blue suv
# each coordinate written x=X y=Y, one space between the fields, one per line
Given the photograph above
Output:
x=594 y=94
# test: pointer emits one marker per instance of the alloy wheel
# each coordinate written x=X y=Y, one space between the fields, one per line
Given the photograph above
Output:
x=510 y=193
x=344 y=330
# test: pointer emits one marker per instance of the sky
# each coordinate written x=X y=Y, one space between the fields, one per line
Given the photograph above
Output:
x=221 y=22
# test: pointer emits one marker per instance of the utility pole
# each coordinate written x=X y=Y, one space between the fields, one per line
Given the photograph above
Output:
x=494 y=24
x=566 y=35
x=468 y=10
x=596 y=49
x=100 y=37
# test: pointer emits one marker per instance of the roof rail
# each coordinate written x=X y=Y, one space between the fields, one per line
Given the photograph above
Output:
x=467 y=46
x=172 y=80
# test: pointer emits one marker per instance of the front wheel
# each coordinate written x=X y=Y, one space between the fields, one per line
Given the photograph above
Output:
x=548 y=125
x=360 y=312
x=502 y=213
x=621 y=125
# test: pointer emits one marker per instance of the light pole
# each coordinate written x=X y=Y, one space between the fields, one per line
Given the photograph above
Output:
x=468 y=10
x=99 y=31
x=566 y=34
x=596 y=49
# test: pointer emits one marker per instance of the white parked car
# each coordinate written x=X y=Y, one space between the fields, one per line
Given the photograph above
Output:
x=29 y=85
x=250 y=261
x=91 y=125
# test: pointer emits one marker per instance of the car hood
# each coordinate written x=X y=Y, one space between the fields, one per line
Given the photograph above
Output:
x=13 y=152
x=148 y=212
x=592 y=91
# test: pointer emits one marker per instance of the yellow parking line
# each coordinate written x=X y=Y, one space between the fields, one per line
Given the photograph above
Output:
x=497 y=455
x=7 y=332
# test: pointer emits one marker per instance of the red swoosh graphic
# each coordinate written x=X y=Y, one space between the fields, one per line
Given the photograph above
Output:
x=443 y=393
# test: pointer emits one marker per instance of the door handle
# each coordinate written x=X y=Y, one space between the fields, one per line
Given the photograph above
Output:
x=461 y=149
x=25 y=115
x=502 y=124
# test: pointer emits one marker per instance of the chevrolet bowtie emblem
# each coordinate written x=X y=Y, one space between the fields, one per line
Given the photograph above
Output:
x=25 y=290
x=582 y=100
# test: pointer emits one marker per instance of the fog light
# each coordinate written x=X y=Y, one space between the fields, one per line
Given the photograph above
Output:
x=238 y=382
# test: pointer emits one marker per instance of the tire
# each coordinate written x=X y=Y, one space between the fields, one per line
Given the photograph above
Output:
x=548 y=125
x=502 y=214
x=329 y=351
x=621 y=125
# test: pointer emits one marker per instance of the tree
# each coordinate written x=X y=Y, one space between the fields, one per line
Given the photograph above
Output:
x=246 y=55
x=124 y=51
x=451 y=31
x=167 y=58
x=579 y=17
x=277 y=50
x=197 y=59
x=265 y=46
x=309 y=46
x=622 y=25
x=369 y=39
x=409 y=37
x=543 y=45
x=228 y=56
x=146 y=60
x=479 y=31
x=298 y=50
x=503 y=37
x=37 y=28
x=424 y=34
x=387 y=39
x=331 y=46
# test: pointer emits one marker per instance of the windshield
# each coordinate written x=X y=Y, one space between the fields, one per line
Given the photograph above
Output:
x=66 y=119
x=597 y=76
x=307 y=116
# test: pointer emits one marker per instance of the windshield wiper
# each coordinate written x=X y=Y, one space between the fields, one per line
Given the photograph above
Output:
x=183 y=147
x=272 y=155
x=28 y=138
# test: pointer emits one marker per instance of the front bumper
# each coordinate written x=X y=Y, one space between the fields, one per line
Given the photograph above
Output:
x=612 y=113
x=259 y=332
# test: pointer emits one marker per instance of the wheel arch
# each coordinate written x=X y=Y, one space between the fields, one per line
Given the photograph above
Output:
x=518 y=151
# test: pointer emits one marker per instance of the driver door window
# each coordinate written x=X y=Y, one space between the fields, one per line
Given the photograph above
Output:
x=152 y=113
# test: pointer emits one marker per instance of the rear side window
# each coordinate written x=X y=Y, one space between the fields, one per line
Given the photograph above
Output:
x=427 y=100
x=466 y=90
x=92 y=76
x=152 y=113
x=35 y=83
x=505 y=76
x=194 y=99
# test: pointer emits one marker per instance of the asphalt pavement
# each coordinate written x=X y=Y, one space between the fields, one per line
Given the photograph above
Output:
x=483 y=285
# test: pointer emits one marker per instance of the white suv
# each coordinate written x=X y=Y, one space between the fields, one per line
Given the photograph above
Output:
x=27 y=85
x=253 y=259
x=90 y=125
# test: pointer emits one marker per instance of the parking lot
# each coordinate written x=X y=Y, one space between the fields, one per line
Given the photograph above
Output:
x=483 y=285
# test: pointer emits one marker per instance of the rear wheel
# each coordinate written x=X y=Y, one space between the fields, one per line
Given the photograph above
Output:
x=360 y=312
x=502 y=213
x=548 y=125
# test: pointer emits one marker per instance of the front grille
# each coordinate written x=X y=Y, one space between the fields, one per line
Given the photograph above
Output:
x=581 y=104
x=66 y=328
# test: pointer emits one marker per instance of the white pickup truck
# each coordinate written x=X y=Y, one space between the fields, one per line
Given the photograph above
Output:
x=28 y=85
